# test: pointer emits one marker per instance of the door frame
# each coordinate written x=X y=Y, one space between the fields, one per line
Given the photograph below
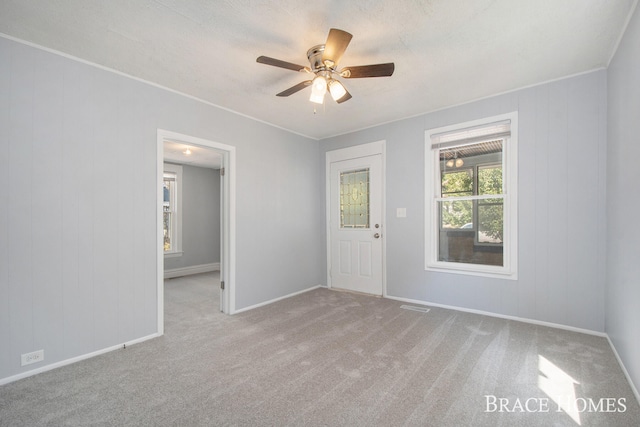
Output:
x=228 y=225
x=354 y=152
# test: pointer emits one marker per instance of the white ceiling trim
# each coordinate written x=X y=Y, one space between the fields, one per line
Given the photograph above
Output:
x=624 y=30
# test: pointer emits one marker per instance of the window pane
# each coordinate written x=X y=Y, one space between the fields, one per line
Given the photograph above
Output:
x=167 y=231
x=354 y=199
x=471 y=231
x=167 y=193
x=490 y=179
x=168 y=209
x=483 y=155
x=166 y=203
x=459 y=183
x=456 y=214
x=457 y=242
x=490 y=221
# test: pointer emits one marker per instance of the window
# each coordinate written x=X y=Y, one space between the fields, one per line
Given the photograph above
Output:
x=471 y=183
x=172 y=209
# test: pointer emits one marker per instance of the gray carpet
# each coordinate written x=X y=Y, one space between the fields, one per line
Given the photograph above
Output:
x=327 y=358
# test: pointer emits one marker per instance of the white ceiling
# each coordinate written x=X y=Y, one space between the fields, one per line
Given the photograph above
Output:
x=446 y=52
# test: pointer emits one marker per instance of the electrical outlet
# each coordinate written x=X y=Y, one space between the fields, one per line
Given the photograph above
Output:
x=33 y=357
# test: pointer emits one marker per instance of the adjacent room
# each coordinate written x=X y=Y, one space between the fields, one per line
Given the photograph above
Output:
x=329 y=213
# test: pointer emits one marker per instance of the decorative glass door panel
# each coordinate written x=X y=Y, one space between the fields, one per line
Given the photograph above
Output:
x=354 y=199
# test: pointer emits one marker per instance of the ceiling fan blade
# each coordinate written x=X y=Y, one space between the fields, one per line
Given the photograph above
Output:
x=375 y=70
x=295 y=88
x=336 y=44
x=279 y=63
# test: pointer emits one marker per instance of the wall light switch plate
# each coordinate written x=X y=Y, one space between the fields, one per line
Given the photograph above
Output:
x=401 y=212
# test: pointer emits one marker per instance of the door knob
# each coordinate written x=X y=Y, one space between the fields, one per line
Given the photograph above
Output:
x=377 y=235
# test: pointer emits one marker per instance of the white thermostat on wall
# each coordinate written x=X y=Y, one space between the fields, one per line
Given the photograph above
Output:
x=401 y=212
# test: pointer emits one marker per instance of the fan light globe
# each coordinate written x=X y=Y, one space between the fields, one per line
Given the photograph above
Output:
x=336 y=89
x=317 y=98
x=318 y=89
x=319 y=85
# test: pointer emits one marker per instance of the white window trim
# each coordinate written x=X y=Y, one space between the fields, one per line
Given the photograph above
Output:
x=432 y=178
x=176 y=244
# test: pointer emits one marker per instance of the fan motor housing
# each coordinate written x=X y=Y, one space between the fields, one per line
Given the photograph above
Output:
x=315 y=58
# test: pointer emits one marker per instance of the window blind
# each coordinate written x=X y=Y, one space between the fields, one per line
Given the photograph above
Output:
x=471 y=135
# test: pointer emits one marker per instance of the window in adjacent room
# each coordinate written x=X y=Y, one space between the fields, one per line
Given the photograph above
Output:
x=471 y=184
x=172 y=209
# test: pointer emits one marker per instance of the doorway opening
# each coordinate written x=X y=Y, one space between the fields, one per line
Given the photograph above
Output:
x=216 y=156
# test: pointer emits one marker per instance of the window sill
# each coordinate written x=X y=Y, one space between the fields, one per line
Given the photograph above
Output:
x=472 y=270
x=173 y=254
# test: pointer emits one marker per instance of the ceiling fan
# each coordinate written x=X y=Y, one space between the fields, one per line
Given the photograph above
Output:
x=323 y=60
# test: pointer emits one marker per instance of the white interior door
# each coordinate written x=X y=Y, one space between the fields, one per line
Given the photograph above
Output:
x=356 y=224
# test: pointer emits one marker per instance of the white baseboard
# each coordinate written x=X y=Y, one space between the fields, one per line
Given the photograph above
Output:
x=194 y=269
x=624 y=370
x=501 y=316
x=55 y=365
x=251 y=307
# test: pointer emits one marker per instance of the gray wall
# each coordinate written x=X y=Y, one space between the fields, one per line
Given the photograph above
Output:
x=562 y=148
x=623 y=205
x=78 y=150
x=201 y=218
